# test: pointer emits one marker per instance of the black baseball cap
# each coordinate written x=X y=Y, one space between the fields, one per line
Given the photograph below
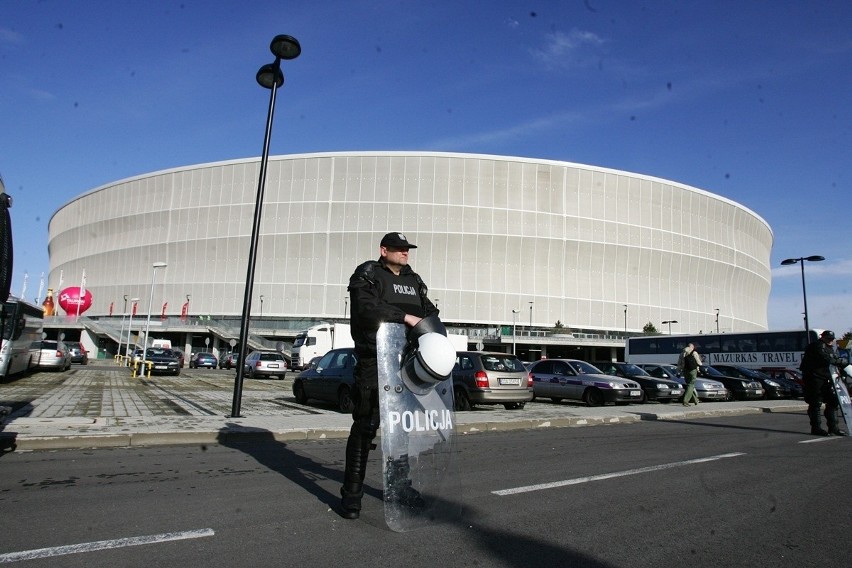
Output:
x=397 y=240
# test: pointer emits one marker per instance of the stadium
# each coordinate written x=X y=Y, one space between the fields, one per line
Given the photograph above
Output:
x=503 y=243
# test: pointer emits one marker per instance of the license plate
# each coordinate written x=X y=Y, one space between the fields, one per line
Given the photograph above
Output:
x=273 y=365
x=509 y=381
x=635 y=393
x=677 y=391
x=161 y=366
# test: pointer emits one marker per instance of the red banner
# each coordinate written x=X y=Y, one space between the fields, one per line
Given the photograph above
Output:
x=110 y=307
x=163 y=314
x=184 y=311
x=133 y=312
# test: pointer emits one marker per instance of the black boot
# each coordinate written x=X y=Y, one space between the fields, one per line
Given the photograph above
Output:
x=398 y=483
x=357 y=451
x=831 y=420
x=816 y=423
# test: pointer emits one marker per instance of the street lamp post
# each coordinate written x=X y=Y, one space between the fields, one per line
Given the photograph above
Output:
x=261 y=306
x=155 y=266
x=531 y=306
x=625 y=319
x=514 y=327
x=129 y=331
x=801 y=260
x=121 y=333
x=345 y=306
x=717 y=320
x=670 y=322
x=269 y=77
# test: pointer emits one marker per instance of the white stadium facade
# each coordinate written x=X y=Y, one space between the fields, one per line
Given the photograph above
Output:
x=503 y=243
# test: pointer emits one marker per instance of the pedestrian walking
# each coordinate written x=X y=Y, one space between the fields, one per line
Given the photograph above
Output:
x=816 y=365
x=688 y=364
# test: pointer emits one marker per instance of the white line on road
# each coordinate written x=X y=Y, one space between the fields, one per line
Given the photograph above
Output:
x=102 y=545
x=825 y=439
x=578 y=480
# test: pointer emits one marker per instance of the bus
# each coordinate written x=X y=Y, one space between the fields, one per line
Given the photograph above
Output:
x=22 y=326
x=754 y=350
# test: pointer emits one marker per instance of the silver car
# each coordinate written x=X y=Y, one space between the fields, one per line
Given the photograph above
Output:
x=490 y=378
x=265 y=364
x=54 y=355
x=706 y=389
x=559 y=379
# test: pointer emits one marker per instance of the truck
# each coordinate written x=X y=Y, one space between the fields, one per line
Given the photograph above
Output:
x=317 y=341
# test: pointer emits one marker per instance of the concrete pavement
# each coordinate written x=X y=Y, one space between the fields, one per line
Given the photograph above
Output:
x=101 y=405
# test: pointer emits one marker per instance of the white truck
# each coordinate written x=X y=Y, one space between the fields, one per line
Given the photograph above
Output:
x=317 y=341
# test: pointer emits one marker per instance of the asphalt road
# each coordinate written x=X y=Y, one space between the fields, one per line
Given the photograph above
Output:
x=738 y=491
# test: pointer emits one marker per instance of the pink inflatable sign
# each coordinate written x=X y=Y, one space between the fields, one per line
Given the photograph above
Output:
x=69 y=299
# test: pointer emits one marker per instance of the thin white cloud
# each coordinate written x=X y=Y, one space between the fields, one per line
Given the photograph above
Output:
x=10 y=37
x=569 y=49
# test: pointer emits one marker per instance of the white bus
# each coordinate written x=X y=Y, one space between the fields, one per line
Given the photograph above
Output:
x=754 y=350
x=22 y=326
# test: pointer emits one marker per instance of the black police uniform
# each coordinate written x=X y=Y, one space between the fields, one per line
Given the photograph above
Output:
x=816 y=373
x=377 y=295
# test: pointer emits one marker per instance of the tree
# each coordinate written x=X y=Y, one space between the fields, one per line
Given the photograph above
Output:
x=650 y=329
x=558 y=325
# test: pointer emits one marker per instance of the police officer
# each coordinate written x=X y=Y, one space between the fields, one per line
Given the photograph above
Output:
x=816 y=372
x=383 y=290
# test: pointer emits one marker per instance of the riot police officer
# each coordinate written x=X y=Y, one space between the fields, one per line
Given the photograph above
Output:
x=816 y=365
x=383 y=290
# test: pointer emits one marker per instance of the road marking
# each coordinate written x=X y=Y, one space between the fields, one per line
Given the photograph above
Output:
x=820 y=439
x=102 y=545
x=578 y=480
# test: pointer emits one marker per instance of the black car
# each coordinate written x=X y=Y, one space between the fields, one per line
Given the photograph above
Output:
x=772 y=388
x=653 y=388
x=207 y=360
x=332 y=380
x=741 y=389
x=161 y=362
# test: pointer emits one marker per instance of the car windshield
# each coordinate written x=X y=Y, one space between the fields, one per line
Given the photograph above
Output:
x=713 y=372
x=160 y=353
x=502 y=363
x=749 y=373
x=631 y=369
x=271 y=357
x=583 y=368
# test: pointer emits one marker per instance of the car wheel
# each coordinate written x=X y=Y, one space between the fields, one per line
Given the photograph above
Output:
x=460 y=400
x=344 y=400
x=556 y=399
x=299 y=393
x=664 y=400
x=644 y=398
x=594 y=397
x=514 y=405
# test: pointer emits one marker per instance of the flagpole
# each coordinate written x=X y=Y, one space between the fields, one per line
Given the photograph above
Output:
x=82 y=293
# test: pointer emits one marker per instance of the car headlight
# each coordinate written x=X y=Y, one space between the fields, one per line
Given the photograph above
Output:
x=772 y=384
x=662 y=386
x=744 y=384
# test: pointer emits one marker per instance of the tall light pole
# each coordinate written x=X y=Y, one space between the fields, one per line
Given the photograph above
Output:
x=121 y=333
x=345 y=306
x=670 y=322
x=514 y=327
x=531 y=305
x=717 y=320
x=269 y=77
x=155 y=266
x=801 y=260
x=625 y=319
x=261 y=306
x=130 y=330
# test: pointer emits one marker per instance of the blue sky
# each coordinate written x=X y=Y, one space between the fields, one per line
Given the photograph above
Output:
x=745 y=99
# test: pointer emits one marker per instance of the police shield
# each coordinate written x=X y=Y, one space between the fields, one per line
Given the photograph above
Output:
x=421 y=485
x=843 y=395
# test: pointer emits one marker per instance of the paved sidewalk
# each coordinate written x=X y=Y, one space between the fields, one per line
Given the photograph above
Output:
x=101 y=405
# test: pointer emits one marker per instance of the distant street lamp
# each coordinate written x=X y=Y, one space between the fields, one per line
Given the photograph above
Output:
x=717 y=320
x=155 y=266
x=670 y=322
x=801 y=260
x=269 y=77
x=121 y=333
x=130 y=330
x=345 y=306
x=514 y=327
x=625 y=318
x=261 y=306
x=531 y=306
